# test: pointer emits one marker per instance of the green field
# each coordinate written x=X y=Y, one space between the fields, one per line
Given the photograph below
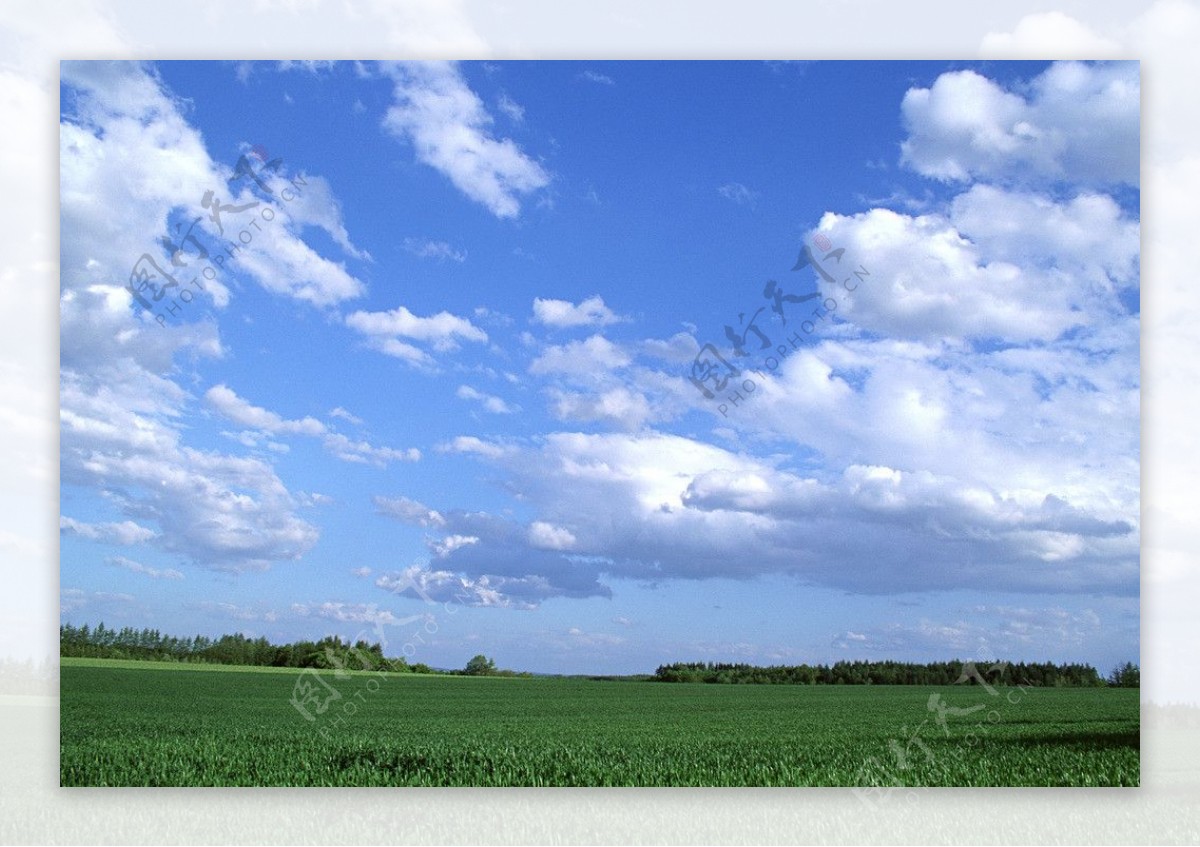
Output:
x=170 y=725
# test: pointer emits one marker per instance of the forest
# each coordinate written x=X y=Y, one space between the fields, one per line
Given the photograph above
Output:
x=899 y=673
x=329 y=653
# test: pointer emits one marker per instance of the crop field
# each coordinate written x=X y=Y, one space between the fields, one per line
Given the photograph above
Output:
x=125 y=724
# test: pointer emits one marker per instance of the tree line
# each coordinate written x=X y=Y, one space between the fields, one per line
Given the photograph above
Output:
x=329 y=653
x=332 y=653
x=899 y=673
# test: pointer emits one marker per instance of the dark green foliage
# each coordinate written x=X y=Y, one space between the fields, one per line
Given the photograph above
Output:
x=1127 y=675
x=151 y=645
x=886 y=673
x=480 y=665
x=191 y=726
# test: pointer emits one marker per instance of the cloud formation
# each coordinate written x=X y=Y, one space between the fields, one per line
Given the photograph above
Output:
x=563 y=313
x=436 y=111
x=1078 y=122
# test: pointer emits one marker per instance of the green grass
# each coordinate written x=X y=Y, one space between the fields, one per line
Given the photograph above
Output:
x=129 y=723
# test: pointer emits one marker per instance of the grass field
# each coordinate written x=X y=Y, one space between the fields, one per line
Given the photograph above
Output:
x=155 y=724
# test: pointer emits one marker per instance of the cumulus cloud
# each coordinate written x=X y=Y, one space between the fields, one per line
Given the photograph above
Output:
x=547 y=536
x=146 y=570
x=587 y=358
x=339 y=412
x=655 y=506
x=408 y=511
x=619 y=407
x=122 y=532
x=384 y=331
x=228 y=403
x=1000 y=263
x=126 y=145
x=440 y=586
x=363 y=452
x=1049 y=34
x=443 y=547
x=495 y=560
x=436 y=111
x=563 y=313
x=473 y=444
x=133 y=175
x=1079 y=122
x=119 y=434
x=491 y=403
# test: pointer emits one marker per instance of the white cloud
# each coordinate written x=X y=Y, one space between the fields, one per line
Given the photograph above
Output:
x=1086 y=236
x=427 y=249
x=124 y=532
x=1079 y=122
x=74 y=599
x=598 y=78
x=1050 y=34
x=546 y=536
x=658 y=506
x=409 y=511
x=238 y=410
x=590 y=358
x=1003 y=264
x=236 y=612
x=363 y=452
x=511 y=108
x=991 y=631
x=363 y=613
x=138 y=567
x=617 y=407
x=339 y=412
x=489 y=402
x=362 y=572
x=445 y=121
x=224 y=400
x=471 y=444
x=447 y=587
x=385 y=329
x=316 y=67
x=118 y=434
x=738 y=193
x=125 y=145
x=563 y=313
x=578 y=638
x=445 y=546
x=316 y=205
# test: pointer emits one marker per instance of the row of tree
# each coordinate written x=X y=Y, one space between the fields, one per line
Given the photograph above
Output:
x=893 y=673
x=331 y=652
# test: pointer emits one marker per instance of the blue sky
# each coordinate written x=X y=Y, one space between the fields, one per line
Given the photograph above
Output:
x=441 y=396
